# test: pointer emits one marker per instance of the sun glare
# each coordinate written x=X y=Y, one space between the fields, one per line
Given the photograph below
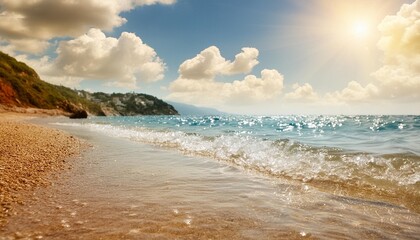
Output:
x=360 y=30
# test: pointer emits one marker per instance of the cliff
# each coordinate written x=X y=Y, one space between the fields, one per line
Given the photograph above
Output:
x=20 y=86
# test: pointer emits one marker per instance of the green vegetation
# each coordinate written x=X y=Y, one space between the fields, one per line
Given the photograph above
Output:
x=31 y=91
x=20 y=81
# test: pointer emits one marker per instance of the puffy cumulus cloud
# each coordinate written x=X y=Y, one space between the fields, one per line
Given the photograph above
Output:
x=123 y=62
x=244 y=61
x=205 y=65
x=303 y=92
x=400 y=32
x=197 y=83
x=252 y=88
x=28 y=45
x=398 y=82
x=209 y=63
x=400 y=42
x=354 y=92
x=37 y=21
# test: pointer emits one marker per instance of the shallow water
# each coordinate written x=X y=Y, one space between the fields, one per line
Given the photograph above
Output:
x=124 y=188
x=366 y=156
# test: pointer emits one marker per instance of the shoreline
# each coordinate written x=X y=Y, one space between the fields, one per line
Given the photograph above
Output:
x=15 y=113
x=30 y=155
x=125 y=189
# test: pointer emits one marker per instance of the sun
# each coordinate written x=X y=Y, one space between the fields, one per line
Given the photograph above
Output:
x=360 y=30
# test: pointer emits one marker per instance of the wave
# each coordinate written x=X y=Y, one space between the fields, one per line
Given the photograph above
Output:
x=284 y=157
x=386 y=177
x=375 y=134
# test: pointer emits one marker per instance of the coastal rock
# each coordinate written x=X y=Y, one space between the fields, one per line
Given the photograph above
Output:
x=79 y=114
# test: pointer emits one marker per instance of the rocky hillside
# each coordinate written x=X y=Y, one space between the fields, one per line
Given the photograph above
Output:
x=20 y=86
x=129 y=104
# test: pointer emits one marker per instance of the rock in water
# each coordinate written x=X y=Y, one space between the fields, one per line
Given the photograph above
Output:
x=79 y=114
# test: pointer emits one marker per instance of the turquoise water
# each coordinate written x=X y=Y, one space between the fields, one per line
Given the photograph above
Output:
x=373 y=150
x=370 y=134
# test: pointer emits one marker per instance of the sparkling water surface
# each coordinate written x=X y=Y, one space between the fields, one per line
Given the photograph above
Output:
x=371 y=134
x=302 y=147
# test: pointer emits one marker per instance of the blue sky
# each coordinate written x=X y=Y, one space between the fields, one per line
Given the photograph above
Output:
x=315 y=56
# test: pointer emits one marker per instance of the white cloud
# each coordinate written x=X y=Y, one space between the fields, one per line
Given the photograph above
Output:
x=37 y=21
x=400 y=32
x=123 y=61
x=400 y=42
x=29 y=25
x=209 y=63
x=197 y=83
x=244 y=61
x=29 y=45
x=253 y=89
x=205 y=65
x=7 y=48
x=303 y=92
x=354 y=92
x=399 y=81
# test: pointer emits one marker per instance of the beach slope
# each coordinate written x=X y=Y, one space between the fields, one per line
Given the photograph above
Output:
x=29 y=156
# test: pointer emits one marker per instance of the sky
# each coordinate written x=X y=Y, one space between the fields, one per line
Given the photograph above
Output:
x=238 y=56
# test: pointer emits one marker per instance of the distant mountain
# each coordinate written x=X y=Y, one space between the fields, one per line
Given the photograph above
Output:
x=186 y=109
x=20 y=86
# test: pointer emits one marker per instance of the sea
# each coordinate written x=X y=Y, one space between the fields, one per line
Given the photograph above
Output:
x=235 y=177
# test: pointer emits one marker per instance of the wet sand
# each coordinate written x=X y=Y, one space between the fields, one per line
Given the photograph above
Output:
x=30 y=156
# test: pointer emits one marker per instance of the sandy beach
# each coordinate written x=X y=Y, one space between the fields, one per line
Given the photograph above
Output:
x=29 y=156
